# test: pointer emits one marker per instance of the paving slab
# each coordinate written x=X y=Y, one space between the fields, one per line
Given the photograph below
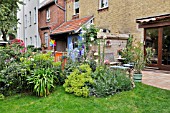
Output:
x=157 y=78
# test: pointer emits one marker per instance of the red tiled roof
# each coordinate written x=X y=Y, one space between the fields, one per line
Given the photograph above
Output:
x=72 y=25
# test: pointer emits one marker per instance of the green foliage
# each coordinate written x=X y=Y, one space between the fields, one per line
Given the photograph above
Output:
x=42 y=81
x=134 y=52
x=12 y=79
x=89 y=35
x=108 y=82
x=127 y=52
x=79 y=80
x=16 y=67
x=8 y=14
x=1 y=96
x=69 y=67
x=92 y=64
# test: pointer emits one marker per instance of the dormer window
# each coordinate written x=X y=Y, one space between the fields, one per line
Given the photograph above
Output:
x=48 y=15
x=103 y=4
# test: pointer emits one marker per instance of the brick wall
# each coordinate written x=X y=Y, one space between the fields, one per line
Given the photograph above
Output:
x=121 y=15
x=57 y=17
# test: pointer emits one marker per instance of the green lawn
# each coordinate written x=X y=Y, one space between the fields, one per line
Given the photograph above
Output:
x=143 y=99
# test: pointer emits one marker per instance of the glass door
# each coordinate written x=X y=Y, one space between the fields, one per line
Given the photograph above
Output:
x=166 y=46
x=151 y=40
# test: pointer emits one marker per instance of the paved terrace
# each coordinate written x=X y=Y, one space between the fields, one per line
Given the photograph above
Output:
x=156 y=78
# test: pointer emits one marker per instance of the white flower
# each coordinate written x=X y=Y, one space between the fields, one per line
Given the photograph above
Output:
x=32 y=59
x=83 y=31
x=82 y=39
x=92 y=38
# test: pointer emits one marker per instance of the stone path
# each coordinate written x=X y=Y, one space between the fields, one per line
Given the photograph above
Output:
x=156 y=78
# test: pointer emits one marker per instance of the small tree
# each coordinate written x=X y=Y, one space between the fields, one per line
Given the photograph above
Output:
x=8 y=16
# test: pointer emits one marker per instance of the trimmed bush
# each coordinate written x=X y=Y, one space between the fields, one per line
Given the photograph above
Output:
x=79 y=80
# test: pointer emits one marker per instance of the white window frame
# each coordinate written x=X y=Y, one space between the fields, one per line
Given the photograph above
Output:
x=30 y=17
x=48 y=15
x=78 y=7
x=26 y=42
x=35 y=15
x=25 y=21
x=103 y=4
x=46 y=39
x=36 y=41
x=31 y=41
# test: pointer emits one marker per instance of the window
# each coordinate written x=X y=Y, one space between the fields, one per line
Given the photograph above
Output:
x=76 y=7
x=36 y=41
x=75 y=42
x=30 y=17
x=46 y=39
x=26 y=41
x=48 y=15
x=103 y=4
x=25 y=21
x=35 y=15
x=31 y=42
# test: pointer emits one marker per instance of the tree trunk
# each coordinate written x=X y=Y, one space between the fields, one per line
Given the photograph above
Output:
x=4 y=35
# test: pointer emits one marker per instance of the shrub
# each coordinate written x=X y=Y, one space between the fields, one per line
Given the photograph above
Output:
x=108 y=82
x=79 y=80
x=1 y=96
x=123 y=82
x=69 y=67
x=12 y=79
x=42 y=81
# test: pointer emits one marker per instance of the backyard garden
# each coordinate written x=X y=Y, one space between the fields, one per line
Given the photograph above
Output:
x=31 y=81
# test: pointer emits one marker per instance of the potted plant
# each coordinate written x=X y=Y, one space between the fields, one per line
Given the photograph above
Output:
x=140 y=60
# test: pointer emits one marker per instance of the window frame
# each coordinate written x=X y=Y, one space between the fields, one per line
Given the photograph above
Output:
x=30 y=18
x=48 y=15
x=46 y=38
x=103 y=7
x=35 y=15
x=25 y=21
x=75 y=7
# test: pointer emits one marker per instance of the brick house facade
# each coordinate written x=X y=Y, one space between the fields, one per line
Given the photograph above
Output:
x=135 y=17
x=50 y=16
x=120 y=15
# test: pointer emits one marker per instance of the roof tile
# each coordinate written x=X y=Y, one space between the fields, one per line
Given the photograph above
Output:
x=71 y=25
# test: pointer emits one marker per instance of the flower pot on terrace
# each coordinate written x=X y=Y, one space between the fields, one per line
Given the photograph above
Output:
x=137 y=77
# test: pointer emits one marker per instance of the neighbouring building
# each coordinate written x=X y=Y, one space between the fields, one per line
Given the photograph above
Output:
x=51 y=15
x=28 y=23
x=147 y=20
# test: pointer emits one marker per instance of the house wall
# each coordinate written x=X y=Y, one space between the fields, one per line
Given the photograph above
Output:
x=56 y=18
x=121 y=15
x=31 y=30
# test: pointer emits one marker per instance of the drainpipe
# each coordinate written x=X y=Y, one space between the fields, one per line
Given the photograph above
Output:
x=64 y=9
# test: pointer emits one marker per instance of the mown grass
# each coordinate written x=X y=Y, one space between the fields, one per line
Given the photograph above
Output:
x=142 y=99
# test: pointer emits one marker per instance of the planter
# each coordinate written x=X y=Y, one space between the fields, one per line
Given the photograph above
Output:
x=63 y=63
x=137 y=77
